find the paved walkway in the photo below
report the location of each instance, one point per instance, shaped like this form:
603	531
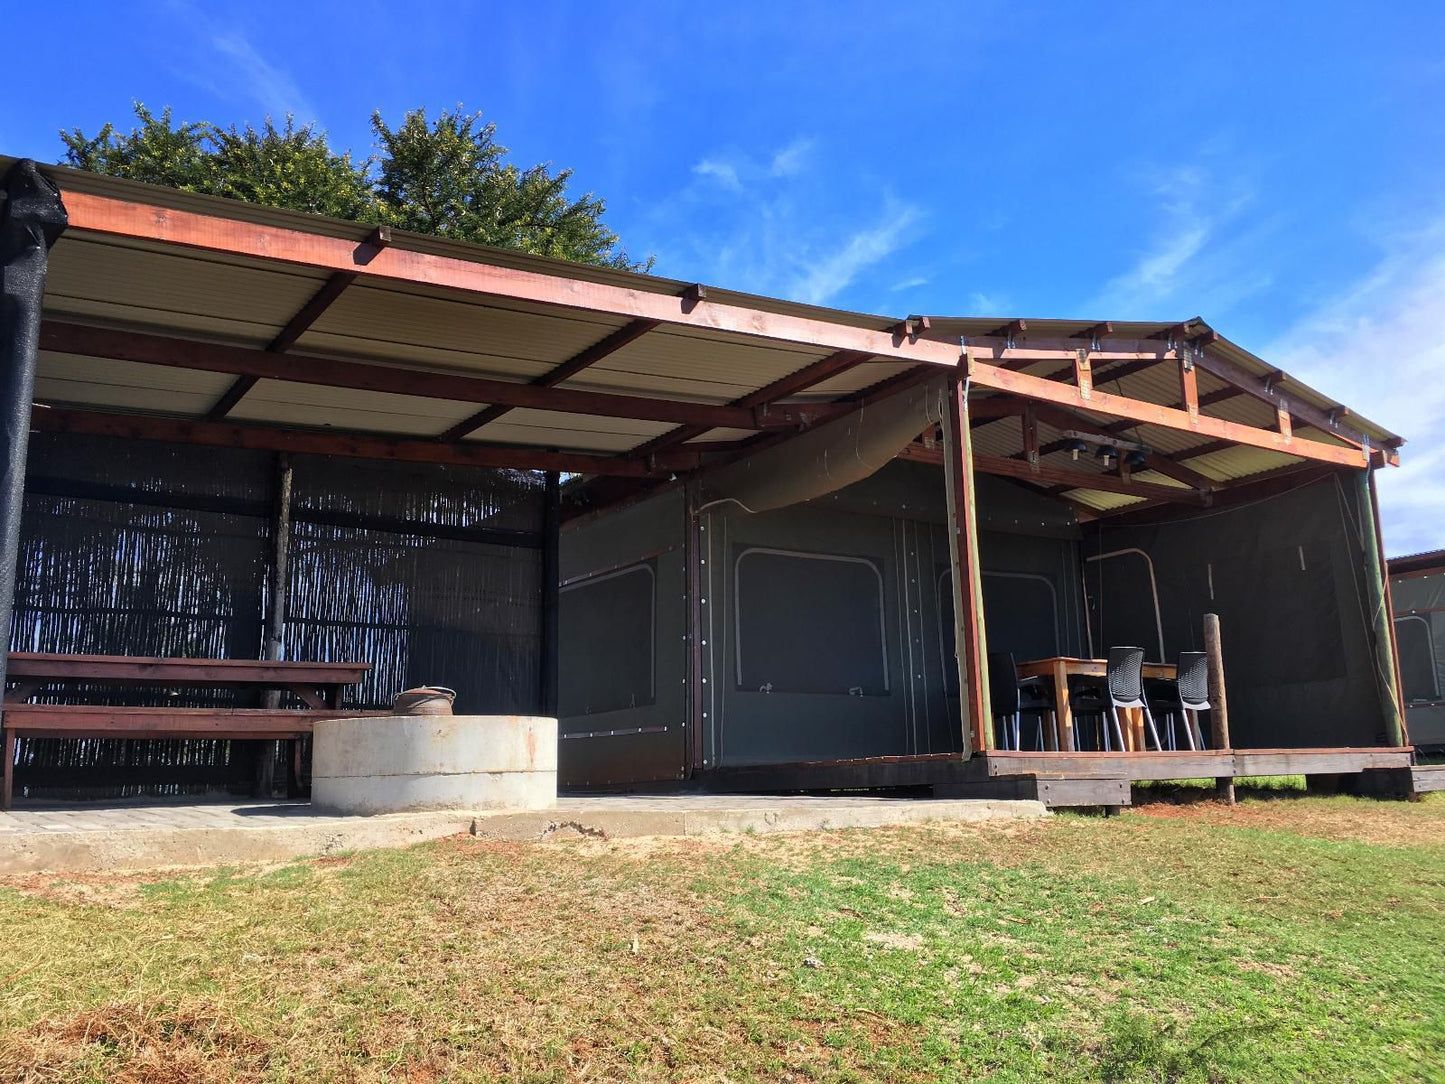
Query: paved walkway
86	837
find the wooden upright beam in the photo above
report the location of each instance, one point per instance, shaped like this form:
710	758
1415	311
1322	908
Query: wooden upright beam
331	372
1029	421
970	636
568	369
1189	387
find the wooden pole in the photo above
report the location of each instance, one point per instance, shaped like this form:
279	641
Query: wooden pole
970	636
274	639
1218	700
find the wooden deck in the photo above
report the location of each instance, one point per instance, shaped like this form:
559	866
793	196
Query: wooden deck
1077	779
1207	764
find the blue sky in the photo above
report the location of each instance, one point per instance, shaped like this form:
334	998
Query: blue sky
1274	168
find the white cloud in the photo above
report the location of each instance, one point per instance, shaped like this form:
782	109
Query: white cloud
725	173
1377	347
774	225
985	305
792	158
909	284
219	58
828	274
272	88
1195	258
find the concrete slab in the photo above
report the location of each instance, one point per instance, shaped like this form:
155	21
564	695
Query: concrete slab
133	837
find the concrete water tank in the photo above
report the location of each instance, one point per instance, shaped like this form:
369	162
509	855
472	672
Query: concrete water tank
400	763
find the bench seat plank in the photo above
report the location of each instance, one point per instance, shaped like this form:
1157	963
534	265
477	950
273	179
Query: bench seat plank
208	672
99	720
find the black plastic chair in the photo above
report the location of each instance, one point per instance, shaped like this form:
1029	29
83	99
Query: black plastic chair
1185	697
1011	698
1122	687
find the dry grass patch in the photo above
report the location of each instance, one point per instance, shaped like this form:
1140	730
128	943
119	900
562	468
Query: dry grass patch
1141	947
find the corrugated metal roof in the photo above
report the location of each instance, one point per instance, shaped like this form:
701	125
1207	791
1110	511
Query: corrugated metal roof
948	328
244	300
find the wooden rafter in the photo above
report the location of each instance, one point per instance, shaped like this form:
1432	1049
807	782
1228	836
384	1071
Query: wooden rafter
330	442
1062	477
806	377
299	324
568	369
331	372
992	376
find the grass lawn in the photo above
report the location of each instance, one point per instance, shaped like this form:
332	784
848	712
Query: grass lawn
1288	938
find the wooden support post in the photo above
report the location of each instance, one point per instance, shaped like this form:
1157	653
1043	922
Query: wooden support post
1377	595
551	591
970	636
272	648
1218	700
1030	421
1084	374
1189	385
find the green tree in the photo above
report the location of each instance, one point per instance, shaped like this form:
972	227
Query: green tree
450	178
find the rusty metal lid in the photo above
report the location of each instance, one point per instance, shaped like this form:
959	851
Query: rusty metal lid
426	700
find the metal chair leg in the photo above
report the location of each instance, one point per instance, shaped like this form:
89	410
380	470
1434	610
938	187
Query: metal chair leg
1149	718
1118	730
1018	738
1054	726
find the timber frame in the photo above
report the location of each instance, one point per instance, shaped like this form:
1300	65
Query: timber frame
1001	374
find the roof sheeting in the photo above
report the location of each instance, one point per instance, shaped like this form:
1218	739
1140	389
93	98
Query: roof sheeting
243	300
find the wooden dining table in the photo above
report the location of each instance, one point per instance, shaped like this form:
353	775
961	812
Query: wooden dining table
1061	668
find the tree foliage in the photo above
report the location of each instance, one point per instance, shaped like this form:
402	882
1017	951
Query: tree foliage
449	177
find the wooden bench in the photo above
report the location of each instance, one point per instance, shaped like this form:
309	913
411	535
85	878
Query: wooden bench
319	685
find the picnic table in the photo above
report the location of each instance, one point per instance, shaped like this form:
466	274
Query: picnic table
318	685
1061	668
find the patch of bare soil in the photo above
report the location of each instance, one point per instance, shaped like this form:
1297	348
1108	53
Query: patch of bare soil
80	889
190	1044
1362	820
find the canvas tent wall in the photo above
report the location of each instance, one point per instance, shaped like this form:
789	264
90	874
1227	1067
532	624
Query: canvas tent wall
1417	587
1290	578
827	626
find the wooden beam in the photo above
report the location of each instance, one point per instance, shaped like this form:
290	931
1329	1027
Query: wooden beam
1077	479
992	376
1242	491
331	372
568	369
1267	390
970	635
1172	468
299	324
806	377
995	350
1188	387
1029	422
1061	418
635	300
329	442
1084	374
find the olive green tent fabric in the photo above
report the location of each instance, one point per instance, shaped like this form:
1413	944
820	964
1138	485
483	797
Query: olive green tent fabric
1288	577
